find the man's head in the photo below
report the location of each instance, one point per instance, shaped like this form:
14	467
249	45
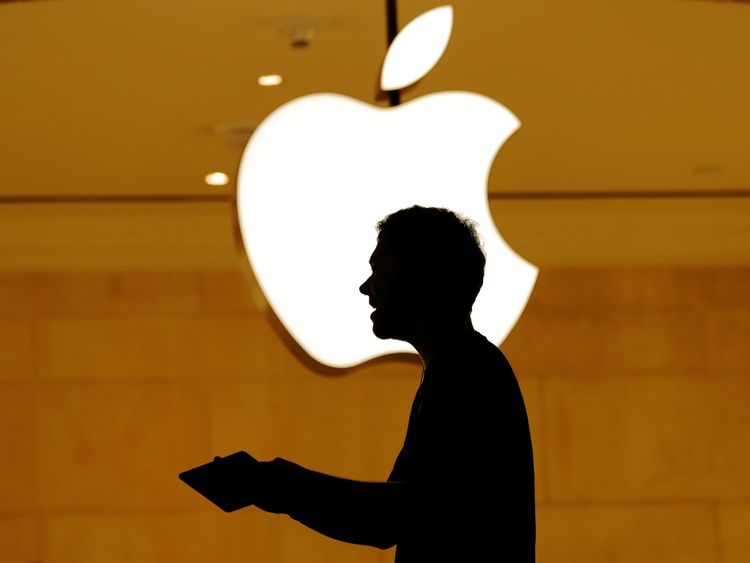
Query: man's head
428	265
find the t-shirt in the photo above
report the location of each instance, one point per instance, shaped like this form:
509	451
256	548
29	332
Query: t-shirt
462	487
468	453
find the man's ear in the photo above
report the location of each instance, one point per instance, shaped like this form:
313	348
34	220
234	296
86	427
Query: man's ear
422	277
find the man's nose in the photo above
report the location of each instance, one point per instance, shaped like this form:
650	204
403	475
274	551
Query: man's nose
363	287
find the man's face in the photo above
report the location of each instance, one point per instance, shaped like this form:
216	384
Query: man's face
391	291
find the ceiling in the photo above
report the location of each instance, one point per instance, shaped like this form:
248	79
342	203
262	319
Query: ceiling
116	109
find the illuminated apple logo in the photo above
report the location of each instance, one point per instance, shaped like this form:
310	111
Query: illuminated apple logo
321	170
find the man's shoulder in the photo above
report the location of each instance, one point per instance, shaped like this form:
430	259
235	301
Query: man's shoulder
473	370
475	354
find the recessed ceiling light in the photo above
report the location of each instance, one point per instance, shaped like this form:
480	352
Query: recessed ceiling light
269	80
217	179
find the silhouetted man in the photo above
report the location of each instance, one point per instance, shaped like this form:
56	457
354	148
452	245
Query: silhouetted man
462	487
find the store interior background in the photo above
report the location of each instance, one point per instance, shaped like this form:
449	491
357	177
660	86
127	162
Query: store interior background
134	343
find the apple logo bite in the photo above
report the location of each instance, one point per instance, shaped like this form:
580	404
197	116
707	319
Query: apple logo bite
321	170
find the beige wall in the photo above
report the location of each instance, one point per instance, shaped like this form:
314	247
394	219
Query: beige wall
637	384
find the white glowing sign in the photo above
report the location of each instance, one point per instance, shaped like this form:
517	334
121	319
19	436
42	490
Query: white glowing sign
321	170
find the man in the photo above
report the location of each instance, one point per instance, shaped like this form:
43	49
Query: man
462	487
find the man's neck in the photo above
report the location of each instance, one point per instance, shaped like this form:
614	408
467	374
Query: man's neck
438	336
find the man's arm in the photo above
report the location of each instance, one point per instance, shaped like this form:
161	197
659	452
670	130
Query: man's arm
360	512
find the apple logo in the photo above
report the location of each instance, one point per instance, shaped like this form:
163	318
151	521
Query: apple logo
321	170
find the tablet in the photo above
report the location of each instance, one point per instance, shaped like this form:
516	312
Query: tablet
224	481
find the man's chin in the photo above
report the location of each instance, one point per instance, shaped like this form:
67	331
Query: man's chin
383	328
377	330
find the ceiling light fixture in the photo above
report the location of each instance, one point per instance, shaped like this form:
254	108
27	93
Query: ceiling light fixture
217	179
270	80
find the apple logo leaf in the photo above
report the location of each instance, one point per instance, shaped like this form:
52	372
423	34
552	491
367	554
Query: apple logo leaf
417	48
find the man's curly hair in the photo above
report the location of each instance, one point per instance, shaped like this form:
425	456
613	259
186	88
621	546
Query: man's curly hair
443	242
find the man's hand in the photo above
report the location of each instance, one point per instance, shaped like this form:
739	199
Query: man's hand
276	485
236	476
269	485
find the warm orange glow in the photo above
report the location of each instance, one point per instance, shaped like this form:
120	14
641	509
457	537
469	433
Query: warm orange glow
113	383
